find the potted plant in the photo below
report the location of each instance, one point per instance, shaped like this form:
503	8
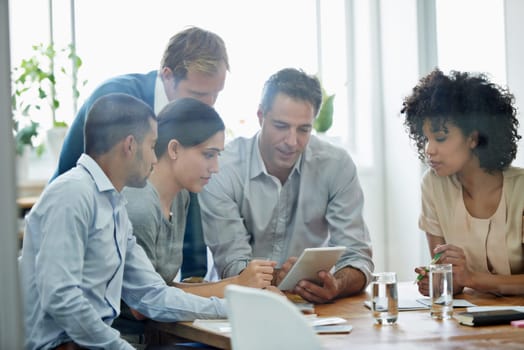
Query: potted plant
34	96
324	119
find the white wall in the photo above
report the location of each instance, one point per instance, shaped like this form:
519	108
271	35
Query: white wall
391	185
514	12
11	329
400	68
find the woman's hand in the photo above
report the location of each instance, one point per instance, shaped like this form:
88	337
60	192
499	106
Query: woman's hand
423	282
451	254
257	274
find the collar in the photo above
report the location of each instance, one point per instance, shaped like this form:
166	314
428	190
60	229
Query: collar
160	95
100	178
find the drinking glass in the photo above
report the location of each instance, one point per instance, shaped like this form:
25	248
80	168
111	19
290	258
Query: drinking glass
384	297
441	291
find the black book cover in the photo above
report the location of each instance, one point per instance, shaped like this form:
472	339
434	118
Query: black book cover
487	318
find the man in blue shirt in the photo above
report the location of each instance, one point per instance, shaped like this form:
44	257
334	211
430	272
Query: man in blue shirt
194	64
79	256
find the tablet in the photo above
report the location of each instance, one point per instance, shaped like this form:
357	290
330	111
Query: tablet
309	263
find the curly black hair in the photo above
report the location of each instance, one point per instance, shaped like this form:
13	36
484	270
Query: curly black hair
472	103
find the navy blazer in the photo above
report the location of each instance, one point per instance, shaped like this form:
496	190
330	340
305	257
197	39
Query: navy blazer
141	86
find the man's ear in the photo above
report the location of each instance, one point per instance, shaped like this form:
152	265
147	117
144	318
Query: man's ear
166	73
172	148
260	115
129	145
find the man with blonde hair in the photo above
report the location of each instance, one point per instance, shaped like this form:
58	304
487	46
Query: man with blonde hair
194	64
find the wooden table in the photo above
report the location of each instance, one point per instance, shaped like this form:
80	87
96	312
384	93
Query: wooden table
413	330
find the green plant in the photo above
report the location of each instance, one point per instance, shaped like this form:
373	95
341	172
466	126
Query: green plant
34	91
324	119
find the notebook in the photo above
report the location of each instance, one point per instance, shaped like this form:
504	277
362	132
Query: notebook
488	318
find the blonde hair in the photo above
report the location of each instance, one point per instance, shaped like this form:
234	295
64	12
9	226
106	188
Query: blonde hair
194	49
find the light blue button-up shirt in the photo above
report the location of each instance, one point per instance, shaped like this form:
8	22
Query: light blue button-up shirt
79	258
248	213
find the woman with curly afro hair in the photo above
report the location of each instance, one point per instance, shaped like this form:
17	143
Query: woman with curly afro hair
465	129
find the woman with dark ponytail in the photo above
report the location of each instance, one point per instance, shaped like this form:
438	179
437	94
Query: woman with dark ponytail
191	136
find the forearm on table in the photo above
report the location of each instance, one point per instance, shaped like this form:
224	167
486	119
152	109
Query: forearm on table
207	289
499	284
351	281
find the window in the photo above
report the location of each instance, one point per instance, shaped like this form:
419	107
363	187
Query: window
122	36
470	37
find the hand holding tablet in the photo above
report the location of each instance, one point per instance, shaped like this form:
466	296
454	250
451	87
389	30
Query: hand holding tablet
309	263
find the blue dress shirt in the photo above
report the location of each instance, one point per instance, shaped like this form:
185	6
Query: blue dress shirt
141	86
80	258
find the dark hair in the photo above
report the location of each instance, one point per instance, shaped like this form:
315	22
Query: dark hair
294	83
194	48
187	120
112	118
471	103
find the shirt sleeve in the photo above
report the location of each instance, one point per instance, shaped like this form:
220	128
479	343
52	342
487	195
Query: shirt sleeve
345	220
58	274
224	231
428	221
144	290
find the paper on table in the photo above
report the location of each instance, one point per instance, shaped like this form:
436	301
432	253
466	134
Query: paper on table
421	304
404	305
223	326
218	326
333	329
324	321
456	302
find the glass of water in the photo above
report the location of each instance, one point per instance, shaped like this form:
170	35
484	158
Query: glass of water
441	291
384	297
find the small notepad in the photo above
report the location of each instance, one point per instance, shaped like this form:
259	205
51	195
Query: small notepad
422	304
321	325
456	302
404	305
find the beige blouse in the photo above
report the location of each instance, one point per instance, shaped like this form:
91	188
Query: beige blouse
493	245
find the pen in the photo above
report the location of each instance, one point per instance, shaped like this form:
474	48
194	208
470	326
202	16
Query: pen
434	260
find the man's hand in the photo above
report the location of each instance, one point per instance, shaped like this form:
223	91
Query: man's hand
346	281
327	290
284	269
